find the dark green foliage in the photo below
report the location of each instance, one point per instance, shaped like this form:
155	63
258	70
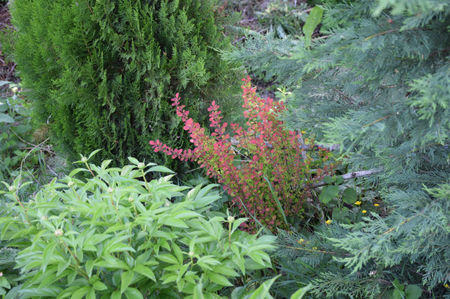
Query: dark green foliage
379	86
102	72
18	154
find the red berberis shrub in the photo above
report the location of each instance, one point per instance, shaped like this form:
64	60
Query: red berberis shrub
265	168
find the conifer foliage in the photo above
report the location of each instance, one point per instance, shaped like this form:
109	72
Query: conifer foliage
101	72
377	83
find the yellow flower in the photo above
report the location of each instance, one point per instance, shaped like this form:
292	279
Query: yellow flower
303	132
358	203
328	221
300	241
314	248
446	286
376	204
363	211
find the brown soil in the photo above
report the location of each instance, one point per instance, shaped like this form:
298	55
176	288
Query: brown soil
7	68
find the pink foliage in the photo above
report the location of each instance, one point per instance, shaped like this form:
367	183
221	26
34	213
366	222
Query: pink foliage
243	161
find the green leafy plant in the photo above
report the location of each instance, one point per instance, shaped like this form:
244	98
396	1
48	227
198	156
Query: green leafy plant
314	19
101	72
8	274
18	153
117	234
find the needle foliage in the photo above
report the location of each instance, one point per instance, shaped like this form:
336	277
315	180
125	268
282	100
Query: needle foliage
101	73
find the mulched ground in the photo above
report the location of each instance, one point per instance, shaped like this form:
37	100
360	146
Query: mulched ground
7	69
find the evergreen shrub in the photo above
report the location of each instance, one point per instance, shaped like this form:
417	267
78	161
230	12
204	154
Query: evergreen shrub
378	84
118	235
101	72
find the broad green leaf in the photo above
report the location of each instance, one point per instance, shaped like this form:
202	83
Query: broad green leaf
133	293
91	294
301	292
162	169
198	291
47	255
143	270
93	153
120	247
89	266
5	118
171	221
398	285
413	291
263	291
167	278
225	270
99	286
4	283
133	160
43	292
80	293
219	279
116	295
238	293
112	263
349	196
168	258
397	294
314	18
126	280
328	193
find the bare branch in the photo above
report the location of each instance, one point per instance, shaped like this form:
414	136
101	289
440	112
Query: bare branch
352	175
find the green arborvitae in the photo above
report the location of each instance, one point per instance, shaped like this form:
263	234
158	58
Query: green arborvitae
101	73
378	84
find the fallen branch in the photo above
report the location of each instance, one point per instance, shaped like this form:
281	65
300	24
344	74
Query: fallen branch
352	175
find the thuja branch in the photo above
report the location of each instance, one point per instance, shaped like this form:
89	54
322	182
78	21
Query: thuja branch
353	175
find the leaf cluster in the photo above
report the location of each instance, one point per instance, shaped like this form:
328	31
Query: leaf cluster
18	153
117	234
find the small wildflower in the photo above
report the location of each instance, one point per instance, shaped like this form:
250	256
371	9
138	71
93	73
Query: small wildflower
230	218
363	211
84	159
191	253
59	233
314	248
303	132
300	241
14	89
70	184
372	273
358	203
328	221
376	204
446	286
11	189
110	190
141	165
